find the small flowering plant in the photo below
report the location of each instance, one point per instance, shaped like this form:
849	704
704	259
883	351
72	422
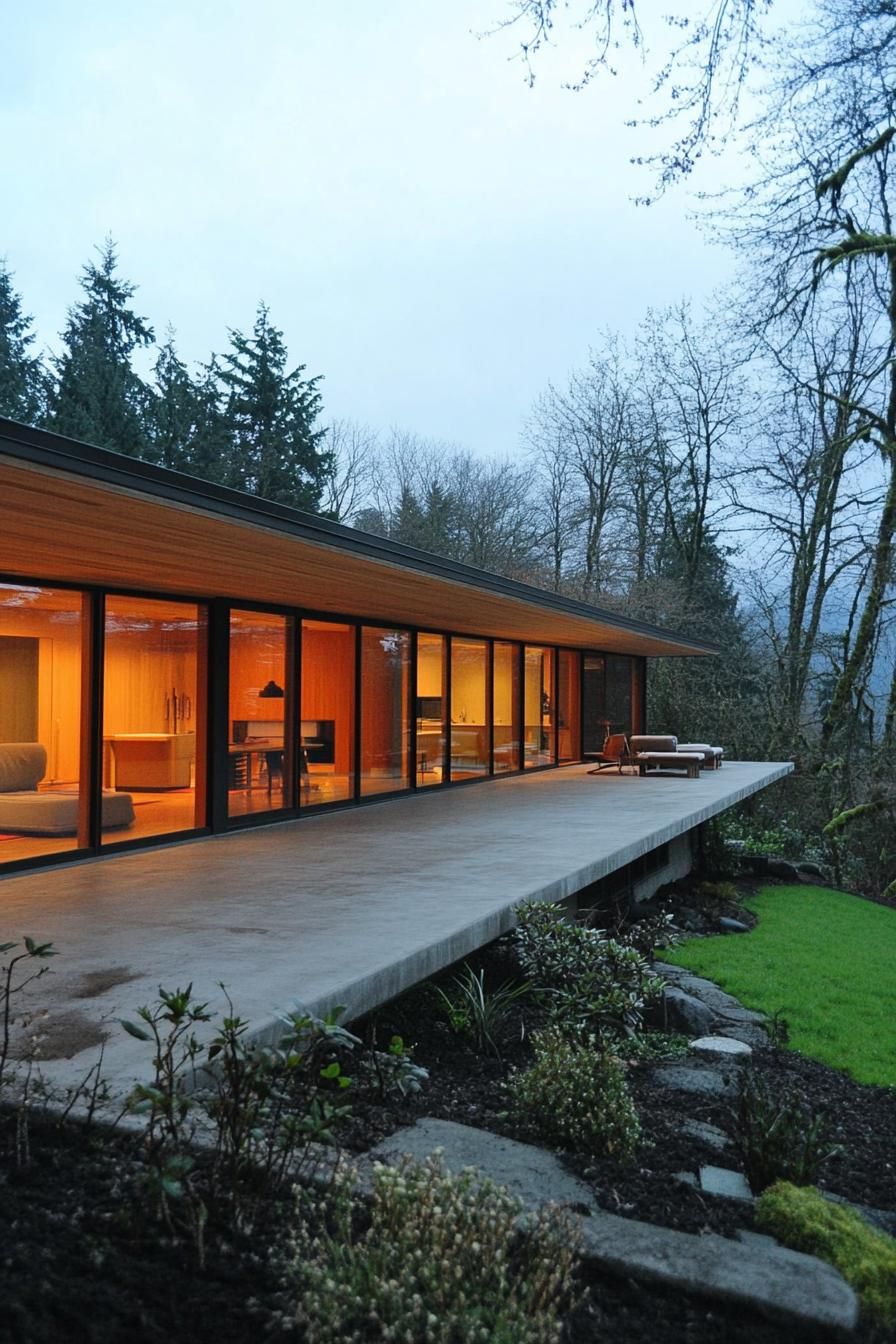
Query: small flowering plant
441	1258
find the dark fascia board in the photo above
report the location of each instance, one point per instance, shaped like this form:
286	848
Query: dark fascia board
43	448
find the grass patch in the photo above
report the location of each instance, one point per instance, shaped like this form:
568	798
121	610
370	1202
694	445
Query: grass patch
822	959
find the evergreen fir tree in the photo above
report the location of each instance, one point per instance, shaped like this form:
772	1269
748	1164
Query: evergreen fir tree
409	523
20	372
172	410
211	450
96	395
275	449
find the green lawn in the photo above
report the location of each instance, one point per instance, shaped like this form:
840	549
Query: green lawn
827	961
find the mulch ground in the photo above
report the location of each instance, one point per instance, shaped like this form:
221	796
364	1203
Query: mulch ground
84	1259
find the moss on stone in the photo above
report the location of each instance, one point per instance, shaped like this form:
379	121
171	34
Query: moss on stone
804	1220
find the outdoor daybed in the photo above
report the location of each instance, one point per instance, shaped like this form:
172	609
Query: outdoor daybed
25	811
655	752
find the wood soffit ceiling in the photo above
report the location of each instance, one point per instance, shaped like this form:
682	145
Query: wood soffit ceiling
58	524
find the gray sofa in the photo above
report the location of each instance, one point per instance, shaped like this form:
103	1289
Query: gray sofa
24	810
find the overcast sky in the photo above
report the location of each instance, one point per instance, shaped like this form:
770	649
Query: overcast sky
435	238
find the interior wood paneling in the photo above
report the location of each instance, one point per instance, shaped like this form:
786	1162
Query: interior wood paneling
328	684
65	527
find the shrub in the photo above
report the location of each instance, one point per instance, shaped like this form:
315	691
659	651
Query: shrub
779	1140
587	981
440	1259
475	1011
576	1096
804	1220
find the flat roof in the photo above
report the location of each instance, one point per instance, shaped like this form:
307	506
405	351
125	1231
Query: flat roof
348	908
80	514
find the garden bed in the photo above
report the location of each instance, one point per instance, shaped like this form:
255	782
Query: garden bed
85	1256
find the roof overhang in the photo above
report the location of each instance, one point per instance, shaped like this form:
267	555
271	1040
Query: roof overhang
78	514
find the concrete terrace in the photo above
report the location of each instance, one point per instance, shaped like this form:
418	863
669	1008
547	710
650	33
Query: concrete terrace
350	908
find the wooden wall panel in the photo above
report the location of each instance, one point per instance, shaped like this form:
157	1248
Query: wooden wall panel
328	685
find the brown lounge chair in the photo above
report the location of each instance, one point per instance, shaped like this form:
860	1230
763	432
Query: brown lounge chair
615	751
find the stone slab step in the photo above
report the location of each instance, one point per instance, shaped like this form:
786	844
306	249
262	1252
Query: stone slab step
769	1280
761	1277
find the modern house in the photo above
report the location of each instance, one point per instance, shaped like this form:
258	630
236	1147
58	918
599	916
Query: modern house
177	659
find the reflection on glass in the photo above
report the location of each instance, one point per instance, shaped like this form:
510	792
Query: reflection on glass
43	792
326	755
385	722
151	716
506	707
538	707
568	718
594	715
469	708
431	709
259	776
619	693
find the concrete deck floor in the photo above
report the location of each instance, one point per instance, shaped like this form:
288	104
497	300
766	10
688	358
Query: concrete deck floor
350	908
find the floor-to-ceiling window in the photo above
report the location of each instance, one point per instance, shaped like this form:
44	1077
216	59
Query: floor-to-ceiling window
327	749
595	724
431	709
568	712
43	786
385	711
153	717
506	707
619	693
259	753
469	708
538	722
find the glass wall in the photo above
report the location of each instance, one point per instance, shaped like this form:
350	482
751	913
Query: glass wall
619	693
595	724
538	711
431	709
259	774
469	708
506	707
153	718
327	749
480	706
568	715
43	792
385	720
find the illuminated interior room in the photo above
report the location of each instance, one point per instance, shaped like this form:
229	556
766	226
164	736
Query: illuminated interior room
178	660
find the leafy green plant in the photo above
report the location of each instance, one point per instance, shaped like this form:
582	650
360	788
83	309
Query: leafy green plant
805	1221
711	898
260	1108
440	1258
167	1102
475	1011
651	931
13	981
394	1069
586	981
778	1140
576	1096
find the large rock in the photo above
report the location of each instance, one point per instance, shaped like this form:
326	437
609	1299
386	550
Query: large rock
759	1275
768	865
685	1013
769	1280
532	1174
696	1079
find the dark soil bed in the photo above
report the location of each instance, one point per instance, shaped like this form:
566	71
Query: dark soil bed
83	1260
